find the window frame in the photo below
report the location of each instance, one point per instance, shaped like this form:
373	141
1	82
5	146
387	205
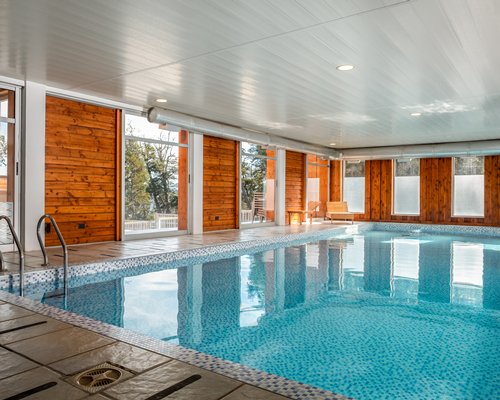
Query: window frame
452	194
393	205
242	154
317	164
124	137
344	163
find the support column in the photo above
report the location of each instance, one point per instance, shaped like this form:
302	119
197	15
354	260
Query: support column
196	179
280	187
33	163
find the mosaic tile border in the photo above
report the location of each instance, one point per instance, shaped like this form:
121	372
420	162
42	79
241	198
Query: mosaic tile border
469	230
172	259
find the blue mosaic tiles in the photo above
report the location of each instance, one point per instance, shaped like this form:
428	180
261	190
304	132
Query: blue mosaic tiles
354	295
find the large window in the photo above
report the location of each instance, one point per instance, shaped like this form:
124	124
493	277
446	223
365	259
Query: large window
354	185
407	186
468	186
258	172
317	185
156	177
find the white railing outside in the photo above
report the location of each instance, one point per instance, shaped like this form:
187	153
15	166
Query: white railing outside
246	216
161	221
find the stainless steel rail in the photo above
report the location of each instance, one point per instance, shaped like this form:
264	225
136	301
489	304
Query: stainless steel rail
19	250
63	244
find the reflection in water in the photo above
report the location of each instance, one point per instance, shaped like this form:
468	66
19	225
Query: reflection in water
267	310
225	295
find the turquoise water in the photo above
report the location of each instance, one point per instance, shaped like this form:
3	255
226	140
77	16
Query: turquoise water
373	316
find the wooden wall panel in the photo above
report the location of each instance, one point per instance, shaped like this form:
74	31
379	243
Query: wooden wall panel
335	180
492	190
295	194
81	170
435	192
220	184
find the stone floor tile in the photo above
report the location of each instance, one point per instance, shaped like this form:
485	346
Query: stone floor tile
9	311
122	354
37	377
50	325
247	392
12	363
55	346
210	387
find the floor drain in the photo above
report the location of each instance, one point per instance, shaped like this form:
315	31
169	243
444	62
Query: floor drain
99	377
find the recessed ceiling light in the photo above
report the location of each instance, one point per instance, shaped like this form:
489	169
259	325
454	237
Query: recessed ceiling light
345	67
416	114
161	100
333	144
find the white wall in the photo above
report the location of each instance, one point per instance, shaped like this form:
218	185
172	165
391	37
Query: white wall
196	178
280	187
33	162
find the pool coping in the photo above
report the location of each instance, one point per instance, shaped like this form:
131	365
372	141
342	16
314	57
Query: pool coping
274	383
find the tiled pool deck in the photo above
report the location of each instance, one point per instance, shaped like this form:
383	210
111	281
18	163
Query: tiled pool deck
55	344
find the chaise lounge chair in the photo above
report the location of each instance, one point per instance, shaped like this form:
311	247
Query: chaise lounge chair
338	210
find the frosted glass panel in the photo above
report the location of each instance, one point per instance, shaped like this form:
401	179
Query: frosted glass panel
354	194
468	195
407	195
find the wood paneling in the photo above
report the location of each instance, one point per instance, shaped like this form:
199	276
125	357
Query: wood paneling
336	180
492	190
220	184
81	170
295	182
435	192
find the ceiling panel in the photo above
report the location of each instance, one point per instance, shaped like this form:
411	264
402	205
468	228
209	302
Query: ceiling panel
271	65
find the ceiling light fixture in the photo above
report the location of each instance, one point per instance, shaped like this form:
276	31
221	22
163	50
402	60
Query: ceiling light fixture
333	144
161	100
416	114
345	67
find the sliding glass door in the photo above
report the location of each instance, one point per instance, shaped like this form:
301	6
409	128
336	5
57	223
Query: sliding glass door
9	107
156	178
258	177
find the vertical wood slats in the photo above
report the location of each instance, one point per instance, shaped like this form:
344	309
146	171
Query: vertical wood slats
335	180
435	192
220	184
81	171
295	181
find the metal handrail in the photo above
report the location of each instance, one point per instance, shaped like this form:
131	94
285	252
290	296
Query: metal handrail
63	244
19	250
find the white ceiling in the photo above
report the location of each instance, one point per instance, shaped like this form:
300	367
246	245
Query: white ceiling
270	65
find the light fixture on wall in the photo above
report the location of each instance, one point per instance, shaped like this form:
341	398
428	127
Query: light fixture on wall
161	100
333	144
416	114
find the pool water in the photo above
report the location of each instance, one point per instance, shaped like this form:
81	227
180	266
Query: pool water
377	315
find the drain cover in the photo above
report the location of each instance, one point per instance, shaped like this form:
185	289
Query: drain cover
99	377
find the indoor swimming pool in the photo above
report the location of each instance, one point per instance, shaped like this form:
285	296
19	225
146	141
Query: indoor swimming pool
373	315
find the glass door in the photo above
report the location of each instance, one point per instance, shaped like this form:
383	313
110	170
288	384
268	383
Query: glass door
8	163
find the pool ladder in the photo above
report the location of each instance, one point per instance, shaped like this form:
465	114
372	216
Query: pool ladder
42	247
63	244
